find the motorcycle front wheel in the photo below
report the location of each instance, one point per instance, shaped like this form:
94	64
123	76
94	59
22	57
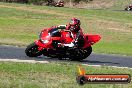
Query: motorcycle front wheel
32	50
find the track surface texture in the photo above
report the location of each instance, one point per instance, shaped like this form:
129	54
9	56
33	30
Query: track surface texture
12	52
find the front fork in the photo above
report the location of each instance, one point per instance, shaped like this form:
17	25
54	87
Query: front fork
42	46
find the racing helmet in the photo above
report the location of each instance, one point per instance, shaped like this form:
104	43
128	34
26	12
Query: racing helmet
74	25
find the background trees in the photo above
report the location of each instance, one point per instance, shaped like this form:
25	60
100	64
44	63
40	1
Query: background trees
36	1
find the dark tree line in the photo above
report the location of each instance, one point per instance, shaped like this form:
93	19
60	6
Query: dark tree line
17	1
37	1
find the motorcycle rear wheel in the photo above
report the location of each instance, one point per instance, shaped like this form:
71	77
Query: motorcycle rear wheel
32	50
81	54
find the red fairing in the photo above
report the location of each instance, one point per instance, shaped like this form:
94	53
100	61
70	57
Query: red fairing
65	37
47	36
44	35
91	39
42	45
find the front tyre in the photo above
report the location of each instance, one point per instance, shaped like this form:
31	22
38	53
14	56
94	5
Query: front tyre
32	50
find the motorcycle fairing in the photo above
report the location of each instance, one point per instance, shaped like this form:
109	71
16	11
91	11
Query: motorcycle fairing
90	39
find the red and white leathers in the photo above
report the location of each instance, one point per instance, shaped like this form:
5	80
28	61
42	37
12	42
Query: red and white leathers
75	35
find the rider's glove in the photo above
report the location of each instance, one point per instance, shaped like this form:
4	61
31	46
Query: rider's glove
61	27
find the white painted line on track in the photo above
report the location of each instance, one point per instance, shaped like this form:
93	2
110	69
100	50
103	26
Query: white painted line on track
107	66
34	61
27	61
92	65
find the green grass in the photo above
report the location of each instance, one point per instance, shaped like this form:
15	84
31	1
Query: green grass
54	74
20	25
113	48
107	14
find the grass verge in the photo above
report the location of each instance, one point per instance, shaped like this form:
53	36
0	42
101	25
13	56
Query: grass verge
54	74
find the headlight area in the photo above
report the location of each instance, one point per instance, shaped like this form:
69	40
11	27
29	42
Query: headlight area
45	41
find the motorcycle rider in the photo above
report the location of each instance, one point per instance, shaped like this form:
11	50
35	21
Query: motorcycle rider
60	1
77	34
130	6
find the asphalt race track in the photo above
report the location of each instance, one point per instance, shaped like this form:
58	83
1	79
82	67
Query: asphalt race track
12	52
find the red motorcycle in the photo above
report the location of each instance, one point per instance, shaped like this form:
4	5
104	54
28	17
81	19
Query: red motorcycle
56	4
59	4
128	8
51	42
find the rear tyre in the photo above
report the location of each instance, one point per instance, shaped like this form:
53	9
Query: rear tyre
80	54
32	50
86	52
